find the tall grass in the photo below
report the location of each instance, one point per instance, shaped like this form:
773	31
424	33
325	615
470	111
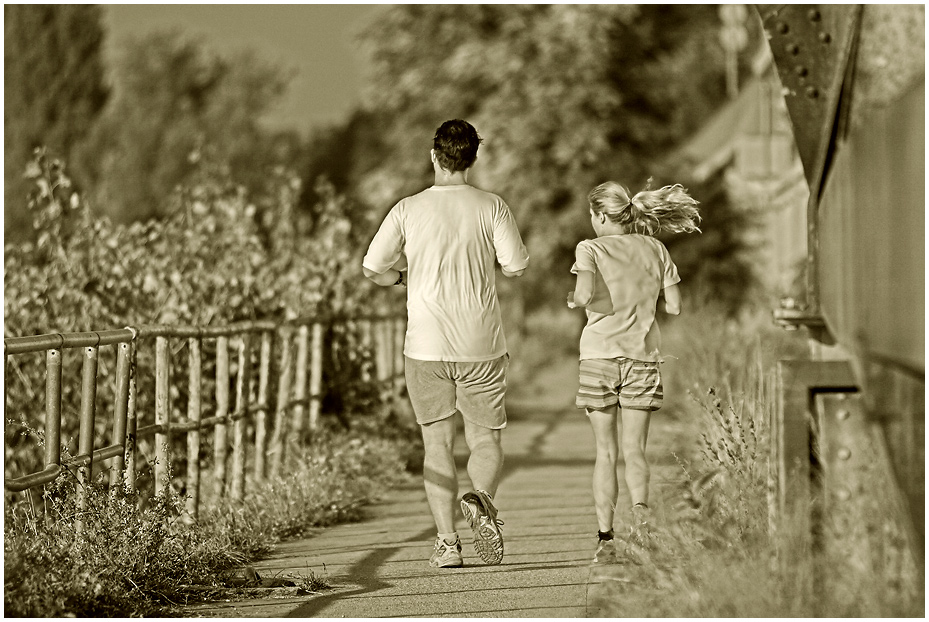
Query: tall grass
714	549
139	557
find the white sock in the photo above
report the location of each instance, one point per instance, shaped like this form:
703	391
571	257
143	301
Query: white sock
449	537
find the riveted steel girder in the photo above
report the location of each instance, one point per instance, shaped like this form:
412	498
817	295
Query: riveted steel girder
812	46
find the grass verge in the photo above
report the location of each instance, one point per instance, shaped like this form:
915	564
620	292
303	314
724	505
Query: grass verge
137	558
713	549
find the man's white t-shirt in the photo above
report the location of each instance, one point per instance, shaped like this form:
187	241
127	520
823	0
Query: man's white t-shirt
629	273
452	237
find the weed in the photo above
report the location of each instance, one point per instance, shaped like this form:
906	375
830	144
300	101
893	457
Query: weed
134	559
714	548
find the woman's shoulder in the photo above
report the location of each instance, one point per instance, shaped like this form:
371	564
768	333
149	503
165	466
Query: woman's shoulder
646	241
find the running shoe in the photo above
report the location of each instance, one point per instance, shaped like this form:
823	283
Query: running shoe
446	554
481	515
606	552
641	514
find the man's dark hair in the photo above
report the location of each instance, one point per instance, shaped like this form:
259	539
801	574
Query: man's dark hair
455	145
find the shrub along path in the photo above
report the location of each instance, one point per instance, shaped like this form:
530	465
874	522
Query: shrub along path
379	567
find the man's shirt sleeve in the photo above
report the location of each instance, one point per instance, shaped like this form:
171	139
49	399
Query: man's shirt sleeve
387	246
511	252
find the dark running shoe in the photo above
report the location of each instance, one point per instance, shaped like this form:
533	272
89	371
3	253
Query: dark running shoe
481	515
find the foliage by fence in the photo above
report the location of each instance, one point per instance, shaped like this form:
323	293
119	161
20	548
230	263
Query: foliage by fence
221	257
261	424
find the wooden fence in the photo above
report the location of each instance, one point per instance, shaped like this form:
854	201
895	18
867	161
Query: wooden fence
249	354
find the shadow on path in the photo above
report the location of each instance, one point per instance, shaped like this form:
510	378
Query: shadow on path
364	573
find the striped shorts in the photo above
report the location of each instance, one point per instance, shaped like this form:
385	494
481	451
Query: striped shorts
627	382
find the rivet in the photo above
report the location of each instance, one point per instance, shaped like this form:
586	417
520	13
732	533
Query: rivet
792	48
842	415
825	37
814	15
812	92
801	71
845	453
783	28
843	494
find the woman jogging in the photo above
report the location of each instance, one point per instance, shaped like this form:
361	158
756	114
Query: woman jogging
621	274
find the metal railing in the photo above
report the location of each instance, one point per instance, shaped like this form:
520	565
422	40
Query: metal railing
299	346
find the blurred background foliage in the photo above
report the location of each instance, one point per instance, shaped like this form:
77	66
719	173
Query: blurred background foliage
566	96
152	192
53	91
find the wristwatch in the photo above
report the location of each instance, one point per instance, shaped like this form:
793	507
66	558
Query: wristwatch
400	280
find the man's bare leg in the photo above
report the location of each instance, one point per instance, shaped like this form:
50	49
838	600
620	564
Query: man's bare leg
485	464
439	473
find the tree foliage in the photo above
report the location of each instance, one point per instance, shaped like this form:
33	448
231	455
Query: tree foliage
171	96
566	96
209	262
53	90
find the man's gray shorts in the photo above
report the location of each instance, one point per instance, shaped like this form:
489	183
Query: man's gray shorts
476	389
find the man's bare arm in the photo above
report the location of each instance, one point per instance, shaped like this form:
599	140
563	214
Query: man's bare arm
384	279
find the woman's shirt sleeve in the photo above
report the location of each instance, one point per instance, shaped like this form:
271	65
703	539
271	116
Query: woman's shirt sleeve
584	258
669	270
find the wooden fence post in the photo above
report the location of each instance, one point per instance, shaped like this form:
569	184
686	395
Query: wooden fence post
283	401
86	438
316	376
131	422
220	440
261	416
162	415
193	436
243	379
120	411
53	407
383	354
364	328
399	337
303	337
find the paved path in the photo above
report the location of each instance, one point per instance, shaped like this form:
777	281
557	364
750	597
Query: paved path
379	567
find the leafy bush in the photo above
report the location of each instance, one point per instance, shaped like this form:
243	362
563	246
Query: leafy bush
221	256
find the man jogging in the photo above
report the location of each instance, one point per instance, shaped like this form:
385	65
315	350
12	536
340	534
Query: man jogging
449	238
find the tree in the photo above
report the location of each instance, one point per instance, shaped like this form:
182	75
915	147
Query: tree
171	97
53	90
567	96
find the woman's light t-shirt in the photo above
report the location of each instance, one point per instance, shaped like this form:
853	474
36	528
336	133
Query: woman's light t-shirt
629	273
451	236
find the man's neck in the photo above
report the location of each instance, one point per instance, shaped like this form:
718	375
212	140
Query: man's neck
458	178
